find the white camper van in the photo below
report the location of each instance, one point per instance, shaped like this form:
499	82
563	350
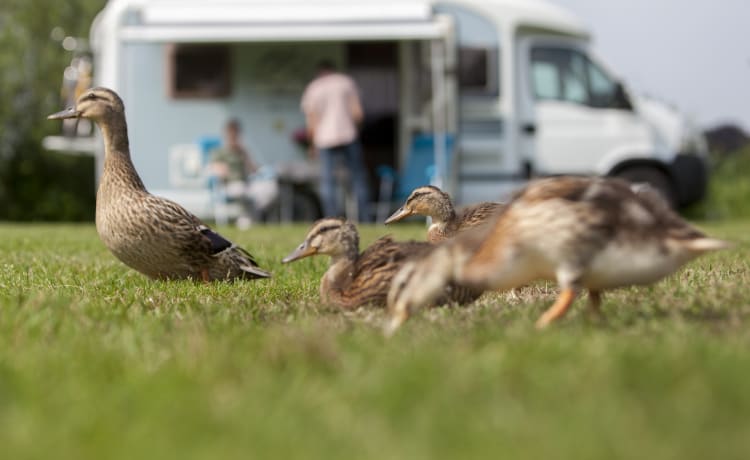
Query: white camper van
496	91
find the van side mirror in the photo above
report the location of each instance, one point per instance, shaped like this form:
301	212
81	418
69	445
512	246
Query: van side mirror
621	99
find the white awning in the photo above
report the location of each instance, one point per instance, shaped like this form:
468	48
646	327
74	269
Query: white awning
280	11
284	33
259	21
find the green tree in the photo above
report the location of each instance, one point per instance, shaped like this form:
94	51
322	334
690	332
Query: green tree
35	184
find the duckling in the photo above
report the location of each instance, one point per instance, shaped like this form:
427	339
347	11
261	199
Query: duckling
152	235
446	223
353	279
584	233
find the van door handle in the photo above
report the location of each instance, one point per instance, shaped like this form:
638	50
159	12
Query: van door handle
529	128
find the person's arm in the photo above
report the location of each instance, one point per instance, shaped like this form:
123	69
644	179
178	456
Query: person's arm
311	122
219	169
355	106
217	165
251	166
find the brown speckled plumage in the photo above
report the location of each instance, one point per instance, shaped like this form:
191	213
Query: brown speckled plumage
446	222
584	233
152	235
355	279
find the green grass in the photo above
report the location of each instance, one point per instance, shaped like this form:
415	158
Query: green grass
98	362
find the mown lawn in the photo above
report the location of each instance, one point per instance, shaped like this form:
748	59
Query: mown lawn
98	362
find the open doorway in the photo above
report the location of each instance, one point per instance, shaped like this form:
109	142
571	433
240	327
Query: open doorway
374	66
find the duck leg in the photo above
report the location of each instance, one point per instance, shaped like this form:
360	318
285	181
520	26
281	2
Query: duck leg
395	320
205	276
561	305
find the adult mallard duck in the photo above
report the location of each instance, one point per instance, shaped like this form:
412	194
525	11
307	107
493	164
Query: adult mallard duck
355	279
446	222
584	233
152	235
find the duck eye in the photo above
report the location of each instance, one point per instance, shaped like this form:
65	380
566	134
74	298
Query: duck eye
90	97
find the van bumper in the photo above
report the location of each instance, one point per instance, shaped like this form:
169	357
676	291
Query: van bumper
690	175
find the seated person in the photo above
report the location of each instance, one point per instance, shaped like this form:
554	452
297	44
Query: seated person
232	165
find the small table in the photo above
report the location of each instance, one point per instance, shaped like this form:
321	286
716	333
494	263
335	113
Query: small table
293	174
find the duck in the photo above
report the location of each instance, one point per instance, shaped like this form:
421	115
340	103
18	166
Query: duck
355	279
446	223
584	233
152	235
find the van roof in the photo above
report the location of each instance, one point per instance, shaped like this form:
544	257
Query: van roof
297	20
536	14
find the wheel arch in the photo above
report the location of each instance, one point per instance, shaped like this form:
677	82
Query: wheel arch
663	180
641	162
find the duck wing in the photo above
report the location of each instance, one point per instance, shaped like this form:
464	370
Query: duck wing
669	221
478	214
233	254
375	268
611	209
198	243
385	254
218	242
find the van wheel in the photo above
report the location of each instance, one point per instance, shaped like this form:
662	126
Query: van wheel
654	178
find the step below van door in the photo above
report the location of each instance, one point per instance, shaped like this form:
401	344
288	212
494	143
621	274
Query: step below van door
487	170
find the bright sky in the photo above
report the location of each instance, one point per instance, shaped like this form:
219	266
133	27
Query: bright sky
694	54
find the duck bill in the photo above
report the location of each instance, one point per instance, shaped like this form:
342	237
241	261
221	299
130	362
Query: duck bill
304	250
398	215
70	112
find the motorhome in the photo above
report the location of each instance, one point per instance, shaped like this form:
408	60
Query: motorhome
497	91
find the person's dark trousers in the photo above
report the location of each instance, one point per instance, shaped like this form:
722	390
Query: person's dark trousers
351	155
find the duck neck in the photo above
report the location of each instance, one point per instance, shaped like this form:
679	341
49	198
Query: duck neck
341	270
117	163
444	214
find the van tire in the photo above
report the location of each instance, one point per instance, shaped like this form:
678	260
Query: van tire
654	177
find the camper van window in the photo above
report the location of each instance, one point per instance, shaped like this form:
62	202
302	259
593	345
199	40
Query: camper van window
199	71
603	88
568	75
546	81
478	51
574	80
475	71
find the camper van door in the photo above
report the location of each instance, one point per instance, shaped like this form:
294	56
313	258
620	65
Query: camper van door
578	111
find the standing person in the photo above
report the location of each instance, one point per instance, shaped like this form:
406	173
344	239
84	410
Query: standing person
231	163
333	112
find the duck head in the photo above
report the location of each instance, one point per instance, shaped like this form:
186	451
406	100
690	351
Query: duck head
424	201
330	236
95	104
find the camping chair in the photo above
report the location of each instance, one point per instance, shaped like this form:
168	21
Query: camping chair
419	171
222	207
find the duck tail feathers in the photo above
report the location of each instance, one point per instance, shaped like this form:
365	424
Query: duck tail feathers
253	272
246	263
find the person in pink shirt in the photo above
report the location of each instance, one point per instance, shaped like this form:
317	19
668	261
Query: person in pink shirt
333	112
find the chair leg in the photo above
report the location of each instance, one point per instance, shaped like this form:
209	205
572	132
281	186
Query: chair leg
220	208
384	200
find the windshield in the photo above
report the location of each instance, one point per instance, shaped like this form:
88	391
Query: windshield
569	75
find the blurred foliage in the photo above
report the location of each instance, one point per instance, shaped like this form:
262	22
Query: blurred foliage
728	190
35	184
